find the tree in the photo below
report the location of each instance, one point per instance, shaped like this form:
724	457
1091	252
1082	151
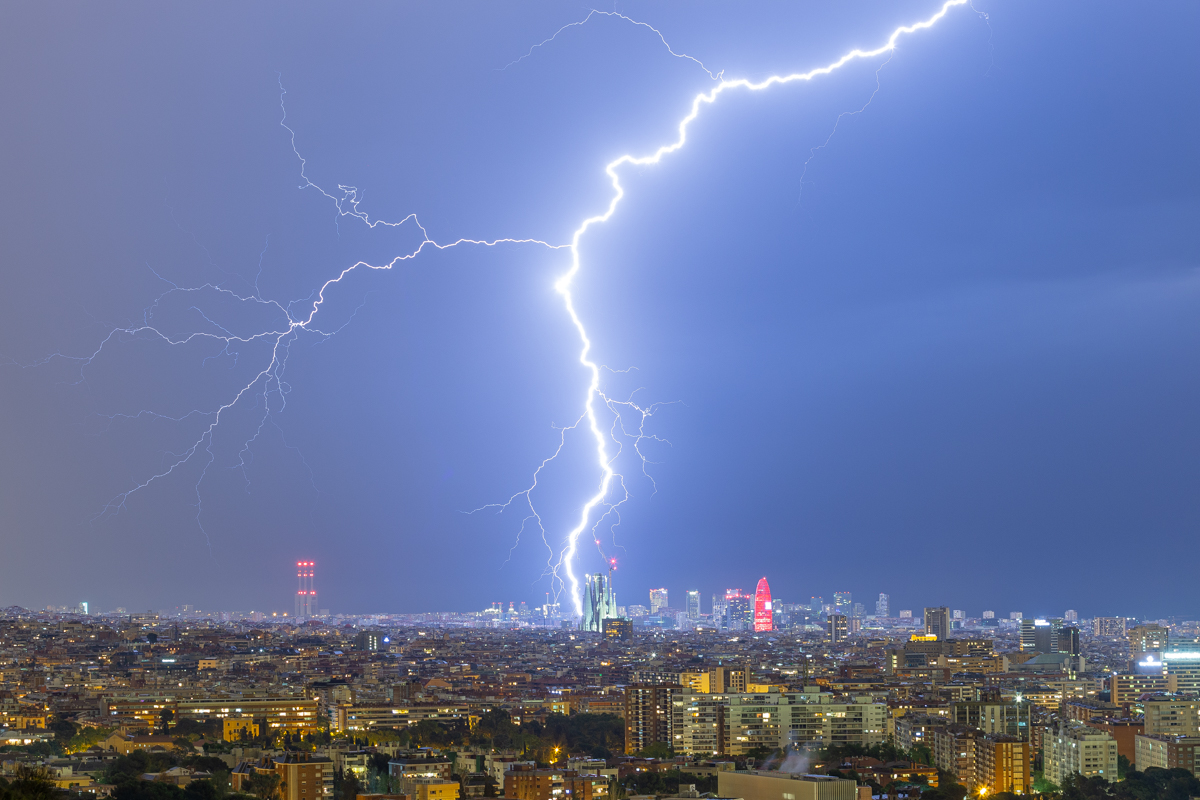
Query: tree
152	637
29	783
265	785
656	750
164	720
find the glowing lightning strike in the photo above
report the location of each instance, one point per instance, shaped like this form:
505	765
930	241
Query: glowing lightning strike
267	384
563	285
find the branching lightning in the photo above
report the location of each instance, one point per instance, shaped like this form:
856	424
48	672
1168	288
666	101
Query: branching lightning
267	389
563	285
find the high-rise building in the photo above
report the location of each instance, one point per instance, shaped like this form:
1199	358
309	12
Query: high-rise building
1109	627
881	605
1016	615
306	595
658	601
816	606
989	615
1071	615
1182	661
739	610
720	612
1040	635
693	604
599	602
369	641
837	628
763	618
905	613
734	723
1147	638
1071	747
937	622
617	629
842	603
1068	641
957	614
647	715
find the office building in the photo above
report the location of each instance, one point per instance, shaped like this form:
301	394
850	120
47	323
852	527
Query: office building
842	603
370	641
837	628
1125	689
937	622
1070	615
1109	627
1072	747
1017	615
1068	641
1040	635
739	610
1147	639
599	602
906	614
881	605
693	604
1184	666
989	615
764	620
618	629
816	605
658	601
720	613
647	715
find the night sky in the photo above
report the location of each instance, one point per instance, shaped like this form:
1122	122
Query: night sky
951	355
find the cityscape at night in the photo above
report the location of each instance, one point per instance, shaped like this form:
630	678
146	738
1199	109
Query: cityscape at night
671	401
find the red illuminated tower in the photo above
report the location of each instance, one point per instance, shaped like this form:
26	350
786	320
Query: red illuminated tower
306	595
762	607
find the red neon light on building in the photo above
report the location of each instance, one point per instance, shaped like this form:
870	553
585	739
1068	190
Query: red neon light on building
763	620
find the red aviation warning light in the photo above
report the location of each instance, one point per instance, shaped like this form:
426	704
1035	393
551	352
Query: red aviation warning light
763	619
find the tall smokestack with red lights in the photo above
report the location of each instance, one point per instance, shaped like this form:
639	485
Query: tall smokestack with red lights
306	595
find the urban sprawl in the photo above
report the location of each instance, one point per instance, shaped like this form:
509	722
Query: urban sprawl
755	699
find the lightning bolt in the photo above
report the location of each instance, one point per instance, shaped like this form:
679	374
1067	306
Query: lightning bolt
563	284
267	389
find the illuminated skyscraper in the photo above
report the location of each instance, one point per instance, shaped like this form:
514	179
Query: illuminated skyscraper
881	605
693	604
658	601
306	595
937	622
739	610
762	607
842	603
837	628
599	602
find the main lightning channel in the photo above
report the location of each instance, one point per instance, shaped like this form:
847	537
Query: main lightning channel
563	284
